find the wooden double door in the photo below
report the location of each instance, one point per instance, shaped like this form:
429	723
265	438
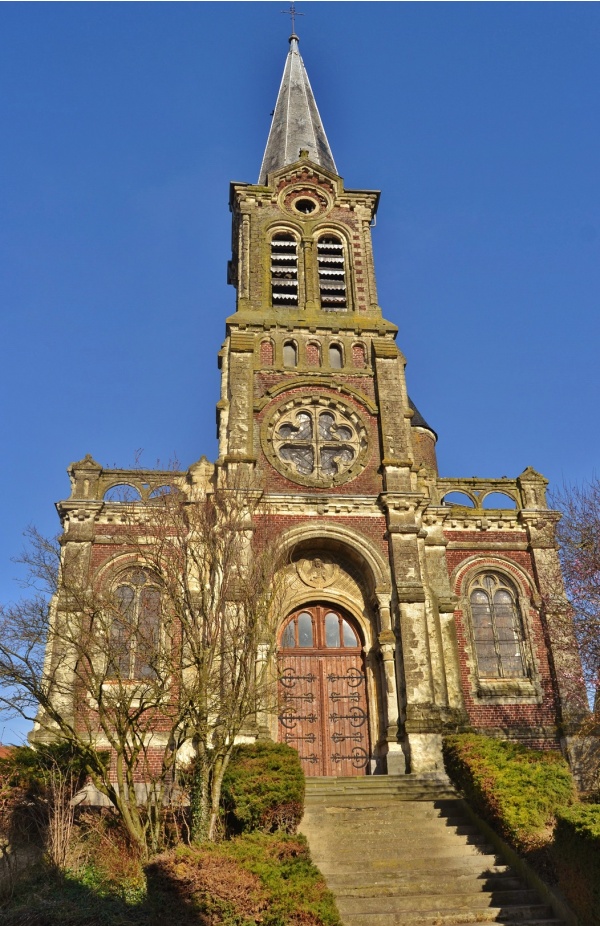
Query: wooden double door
323	710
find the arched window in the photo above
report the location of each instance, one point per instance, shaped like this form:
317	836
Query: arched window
135	629
336	358
319	628
497	627
332	273
284	270
290	354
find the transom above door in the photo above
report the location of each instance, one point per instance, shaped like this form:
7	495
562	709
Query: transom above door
323	711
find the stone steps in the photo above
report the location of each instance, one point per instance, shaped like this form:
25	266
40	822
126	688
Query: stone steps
400	852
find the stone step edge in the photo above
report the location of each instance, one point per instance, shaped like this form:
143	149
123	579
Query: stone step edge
523	870
391	919
437	917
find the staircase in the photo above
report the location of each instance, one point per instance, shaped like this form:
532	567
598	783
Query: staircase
398	851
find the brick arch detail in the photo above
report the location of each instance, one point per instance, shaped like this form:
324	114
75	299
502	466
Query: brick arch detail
465	571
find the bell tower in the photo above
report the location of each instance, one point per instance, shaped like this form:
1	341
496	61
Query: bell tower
314	401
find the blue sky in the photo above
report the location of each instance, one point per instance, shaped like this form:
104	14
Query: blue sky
123	124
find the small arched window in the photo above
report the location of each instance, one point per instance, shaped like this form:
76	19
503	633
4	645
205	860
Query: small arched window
497	627
290	354
284	270
135	629
336	358
332	273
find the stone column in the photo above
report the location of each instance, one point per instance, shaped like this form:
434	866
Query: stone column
307	278
396	761
240	417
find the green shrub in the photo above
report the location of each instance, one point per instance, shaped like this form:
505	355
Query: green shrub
255	878
576	854
518	790
263	788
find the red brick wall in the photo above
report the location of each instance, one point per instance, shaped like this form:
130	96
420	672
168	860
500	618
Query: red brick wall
266	353
313	354
359	357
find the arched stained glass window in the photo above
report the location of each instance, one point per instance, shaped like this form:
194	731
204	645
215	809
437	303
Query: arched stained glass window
135	629
497	627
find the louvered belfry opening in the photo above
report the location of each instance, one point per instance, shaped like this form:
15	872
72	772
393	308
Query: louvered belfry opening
332	273
284	269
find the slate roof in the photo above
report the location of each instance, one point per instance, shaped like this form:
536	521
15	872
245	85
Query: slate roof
417	420
296	121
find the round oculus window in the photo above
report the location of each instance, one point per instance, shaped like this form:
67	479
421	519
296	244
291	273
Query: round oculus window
316	441
306	206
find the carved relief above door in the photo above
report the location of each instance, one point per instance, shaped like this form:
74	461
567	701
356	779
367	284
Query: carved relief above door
323	711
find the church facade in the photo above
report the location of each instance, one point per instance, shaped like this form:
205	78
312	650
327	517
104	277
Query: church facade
416	604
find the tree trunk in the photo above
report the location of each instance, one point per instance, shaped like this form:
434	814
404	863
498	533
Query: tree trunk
200	799
215	793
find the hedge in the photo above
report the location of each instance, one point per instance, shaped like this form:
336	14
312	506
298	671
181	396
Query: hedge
576	855
263	789
518	790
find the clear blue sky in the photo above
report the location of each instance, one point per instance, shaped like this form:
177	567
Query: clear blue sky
122	125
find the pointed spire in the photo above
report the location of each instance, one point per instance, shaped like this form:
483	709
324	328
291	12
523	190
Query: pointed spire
296	122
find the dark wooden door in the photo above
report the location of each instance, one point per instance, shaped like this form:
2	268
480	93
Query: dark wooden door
322	692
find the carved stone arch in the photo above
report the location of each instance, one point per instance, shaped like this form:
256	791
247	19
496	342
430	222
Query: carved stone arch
340	587
334	228
350	544
284	226
313	382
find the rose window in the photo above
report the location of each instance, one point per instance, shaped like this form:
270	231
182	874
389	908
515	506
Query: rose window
317	441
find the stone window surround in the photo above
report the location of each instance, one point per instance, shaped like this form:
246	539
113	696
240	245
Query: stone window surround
112	573
283	409
526	690
309	240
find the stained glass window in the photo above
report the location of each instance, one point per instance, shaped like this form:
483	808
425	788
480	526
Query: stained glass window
497	627
135	630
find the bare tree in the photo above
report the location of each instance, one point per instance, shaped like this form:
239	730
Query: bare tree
579	538
176	653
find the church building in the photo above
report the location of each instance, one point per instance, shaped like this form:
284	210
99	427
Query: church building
417	604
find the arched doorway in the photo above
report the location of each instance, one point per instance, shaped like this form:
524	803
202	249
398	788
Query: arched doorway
323	711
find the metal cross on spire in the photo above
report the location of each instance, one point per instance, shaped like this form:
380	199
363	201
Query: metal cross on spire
292	12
